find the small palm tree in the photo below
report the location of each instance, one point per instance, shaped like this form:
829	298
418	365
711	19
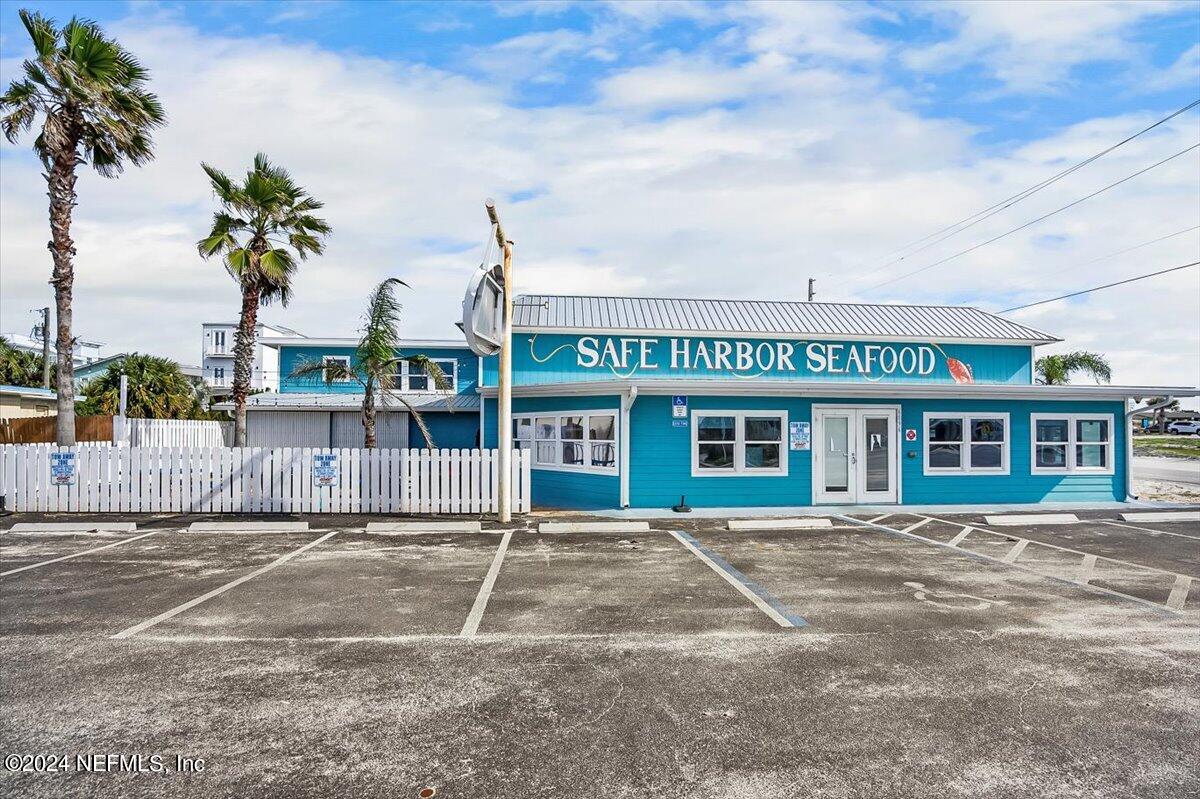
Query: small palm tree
375	361
19	367
157	390
263	220
1056	370
90	94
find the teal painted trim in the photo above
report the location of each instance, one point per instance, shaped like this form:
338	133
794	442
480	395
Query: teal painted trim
553	358
291	356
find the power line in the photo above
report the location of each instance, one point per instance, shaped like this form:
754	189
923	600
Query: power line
1008	202
1098	288
1121	252
1031	222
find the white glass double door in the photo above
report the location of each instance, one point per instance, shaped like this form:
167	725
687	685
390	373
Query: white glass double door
855	452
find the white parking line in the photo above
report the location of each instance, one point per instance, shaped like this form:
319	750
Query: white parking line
966	531
79	554
485	591
1087	569
912	527
1179	592
137	628
752	591
1148	530
1017	549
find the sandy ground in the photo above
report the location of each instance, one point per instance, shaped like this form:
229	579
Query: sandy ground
1165	491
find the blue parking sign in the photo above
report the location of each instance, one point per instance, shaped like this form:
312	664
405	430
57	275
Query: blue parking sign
679	406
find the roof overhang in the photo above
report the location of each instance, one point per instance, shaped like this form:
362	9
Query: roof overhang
410	343
654	333
778	388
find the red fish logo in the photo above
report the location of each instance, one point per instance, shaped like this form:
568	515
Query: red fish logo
960	371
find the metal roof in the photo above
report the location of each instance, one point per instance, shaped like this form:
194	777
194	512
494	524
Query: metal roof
769	318
425	402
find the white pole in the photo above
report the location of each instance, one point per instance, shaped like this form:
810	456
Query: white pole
504	400
124	393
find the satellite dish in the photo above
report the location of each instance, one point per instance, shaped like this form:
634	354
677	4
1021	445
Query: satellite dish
483	311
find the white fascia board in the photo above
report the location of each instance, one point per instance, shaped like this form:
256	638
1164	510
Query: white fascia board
847	389
654	332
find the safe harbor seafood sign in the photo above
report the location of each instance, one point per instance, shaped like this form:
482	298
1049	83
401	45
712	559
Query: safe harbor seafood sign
598	357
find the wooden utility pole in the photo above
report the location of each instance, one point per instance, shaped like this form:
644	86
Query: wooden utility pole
45	312
812	288
504	415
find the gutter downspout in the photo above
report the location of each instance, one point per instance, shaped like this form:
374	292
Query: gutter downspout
627	401
1129	441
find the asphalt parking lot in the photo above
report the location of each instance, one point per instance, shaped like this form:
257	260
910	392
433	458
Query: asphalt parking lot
884	656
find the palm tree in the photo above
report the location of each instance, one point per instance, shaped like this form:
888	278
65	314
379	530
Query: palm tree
89	91
375	361
262	222
19	367
1160	415
157	390
1056	370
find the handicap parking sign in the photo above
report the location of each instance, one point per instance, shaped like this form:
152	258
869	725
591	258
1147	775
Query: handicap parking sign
678	407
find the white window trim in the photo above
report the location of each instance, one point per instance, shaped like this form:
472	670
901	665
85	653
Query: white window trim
739	444
587	440
965	467
326	359
452	374
1072	440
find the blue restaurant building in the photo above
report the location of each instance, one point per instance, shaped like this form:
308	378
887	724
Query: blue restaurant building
637	402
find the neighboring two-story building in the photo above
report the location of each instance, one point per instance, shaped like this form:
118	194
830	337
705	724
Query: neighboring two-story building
635	402
216	349
310	412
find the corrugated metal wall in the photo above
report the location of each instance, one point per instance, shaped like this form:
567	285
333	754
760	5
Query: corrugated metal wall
323	429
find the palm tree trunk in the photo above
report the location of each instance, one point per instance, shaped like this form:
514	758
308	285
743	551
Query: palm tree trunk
243	359
61	182
368	416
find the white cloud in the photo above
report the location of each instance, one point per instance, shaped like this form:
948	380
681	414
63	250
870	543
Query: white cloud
811	171
1033	45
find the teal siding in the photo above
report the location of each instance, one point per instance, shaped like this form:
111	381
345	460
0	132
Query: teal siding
290	357
562	489
661	458
458	430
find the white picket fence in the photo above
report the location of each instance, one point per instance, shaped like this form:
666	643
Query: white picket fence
117	479
171	433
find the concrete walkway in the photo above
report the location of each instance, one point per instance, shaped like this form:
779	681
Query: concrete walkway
826	510
1176	470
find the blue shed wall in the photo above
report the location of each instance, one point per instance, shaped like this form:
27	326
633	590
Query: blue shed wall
458	430
290	357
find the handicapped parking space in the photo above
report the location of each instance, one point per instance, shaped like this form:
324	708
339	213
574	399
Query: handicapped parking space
351	585
100	591
601	584
867	580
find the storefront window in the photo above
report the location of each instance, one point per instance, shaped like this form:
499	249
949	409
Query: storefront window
738	443
1072	442
576	441
966	443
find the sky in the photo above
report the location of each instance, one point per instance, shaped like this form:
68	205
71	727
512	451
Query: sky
657	149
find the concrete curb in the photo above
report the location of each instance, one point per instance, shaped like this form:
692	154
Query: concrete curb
779	524
74	527
424	527
594	527
1015	520
1162	516
248	527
